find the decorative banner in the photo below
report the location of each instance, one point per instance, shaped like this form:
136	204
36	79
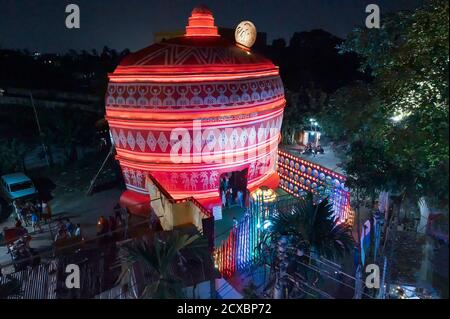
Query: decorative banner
217	212
365	240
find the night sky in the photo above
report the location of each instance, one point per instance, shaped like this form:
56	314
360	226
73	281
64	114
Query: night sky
39	25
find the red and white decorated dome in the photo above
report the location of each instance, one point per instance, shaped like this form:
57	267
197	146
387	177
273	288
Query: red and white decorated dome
192	108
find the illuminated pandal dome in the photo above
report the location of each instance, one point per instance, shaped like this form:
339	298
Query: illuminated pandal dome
192	108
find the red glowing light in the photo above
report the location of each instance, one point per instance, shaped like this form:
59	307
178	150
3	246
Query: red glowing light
237	98
201	23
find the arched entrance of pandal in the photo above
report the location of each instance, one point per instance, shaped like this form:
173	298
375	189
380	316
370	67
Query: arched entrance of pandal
233	188
234	197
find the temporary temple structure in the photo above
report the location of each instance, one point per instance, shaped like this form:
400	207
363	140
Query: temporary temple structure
189	109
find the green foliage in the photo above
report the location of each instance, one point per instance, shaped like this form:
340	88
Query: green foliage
309	229
300	106
162	253
369	168
12	152
312	227
68	129
321	231
401	117
352	114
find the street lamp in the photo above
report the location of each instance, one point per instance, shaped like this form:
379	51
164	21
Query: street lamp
315	133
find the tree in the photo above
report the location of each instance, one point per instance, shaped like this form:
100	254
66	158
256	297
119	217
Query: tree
307	231
162	253
68	129
300	105
349	114
408	60
12	153
321	230
396	125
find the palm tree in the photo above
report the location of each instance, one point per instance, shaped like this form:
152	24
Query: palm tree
162	253
322	233
308	229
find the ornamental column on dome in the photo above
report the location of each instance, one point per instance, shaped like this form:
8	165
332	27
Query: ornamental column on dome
201	23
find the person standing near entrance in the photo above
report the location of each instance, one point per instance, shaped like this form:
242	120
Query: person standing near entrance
224	200
23	216
229	196
77	232
16	206
247	199
240	198
227	182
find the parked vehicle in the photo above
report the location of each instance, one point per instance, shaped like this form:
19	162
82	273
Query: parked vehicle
17	186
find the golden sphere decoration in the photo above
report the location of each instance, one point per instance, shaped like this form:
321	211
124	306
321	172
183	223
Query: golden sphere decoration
245	34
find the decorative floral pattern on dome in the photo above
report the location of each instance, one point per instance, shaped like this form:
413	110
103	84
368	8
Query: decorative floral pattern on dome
151	141
205	95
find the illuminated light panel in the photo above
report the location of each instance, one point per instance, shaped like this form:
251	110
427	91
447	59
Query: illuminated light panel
186	72
325	187
192	77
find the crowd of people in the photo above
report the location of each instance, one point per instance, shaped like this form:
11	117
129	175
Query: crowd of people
18	239
31	213
313	149
112	223
66	230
